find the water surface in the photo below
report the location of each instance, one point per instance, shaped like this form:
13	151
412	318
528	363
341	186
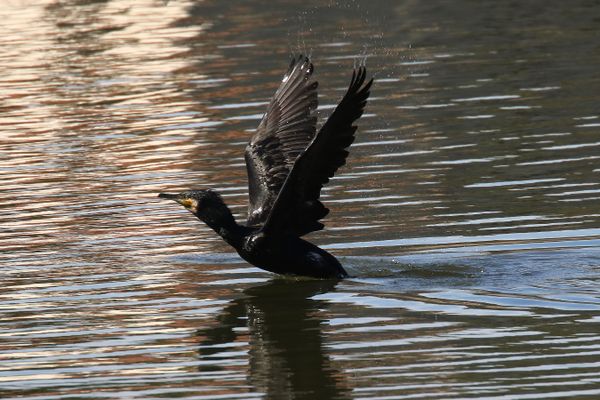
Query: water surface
467	213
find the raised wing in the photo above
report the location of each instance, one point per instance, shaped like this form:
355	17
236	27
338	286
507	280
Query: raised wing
286	129
297	209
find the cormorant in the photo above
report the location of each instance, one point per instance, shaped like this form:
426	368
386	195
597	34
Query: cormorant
288	163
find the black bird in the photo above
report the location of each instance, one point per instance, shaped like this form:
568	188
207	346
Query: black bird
288	163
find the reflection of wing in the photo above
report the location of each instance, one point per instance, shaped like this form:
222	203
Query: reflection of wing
285	131
297	209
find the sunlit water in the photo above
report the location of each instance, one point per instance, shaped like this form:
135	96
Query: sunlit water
468	213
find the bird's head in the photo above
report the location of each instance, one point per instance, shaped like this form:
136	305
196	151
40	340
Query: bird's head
205	204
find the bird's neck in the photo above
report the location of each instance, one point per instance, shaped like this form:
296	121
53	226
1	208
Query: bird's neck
226	227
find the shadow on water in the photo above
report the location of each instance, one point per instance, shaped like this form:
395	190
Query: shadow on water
287	358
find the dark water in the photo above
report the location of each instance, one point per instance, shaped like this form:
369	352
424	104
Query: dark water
468	211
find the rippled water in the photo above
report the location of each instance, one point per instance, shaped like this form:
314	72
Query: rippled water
467	213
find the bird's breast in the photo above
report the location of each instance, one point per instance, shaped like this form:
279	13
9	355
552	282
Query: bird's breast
253	243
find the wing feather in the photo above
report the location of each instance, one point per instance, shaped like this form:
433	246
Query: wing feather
297	209
286	129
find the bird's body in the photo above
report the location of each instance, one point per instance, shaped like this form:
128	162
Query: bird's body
288	162
290	255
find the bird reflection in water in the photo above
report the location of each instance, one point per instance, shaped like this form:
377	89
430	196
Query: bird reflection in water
287	359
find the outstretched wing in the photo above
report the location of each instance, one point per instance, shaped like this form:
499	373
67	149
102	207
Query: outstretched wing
297	209
286	129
